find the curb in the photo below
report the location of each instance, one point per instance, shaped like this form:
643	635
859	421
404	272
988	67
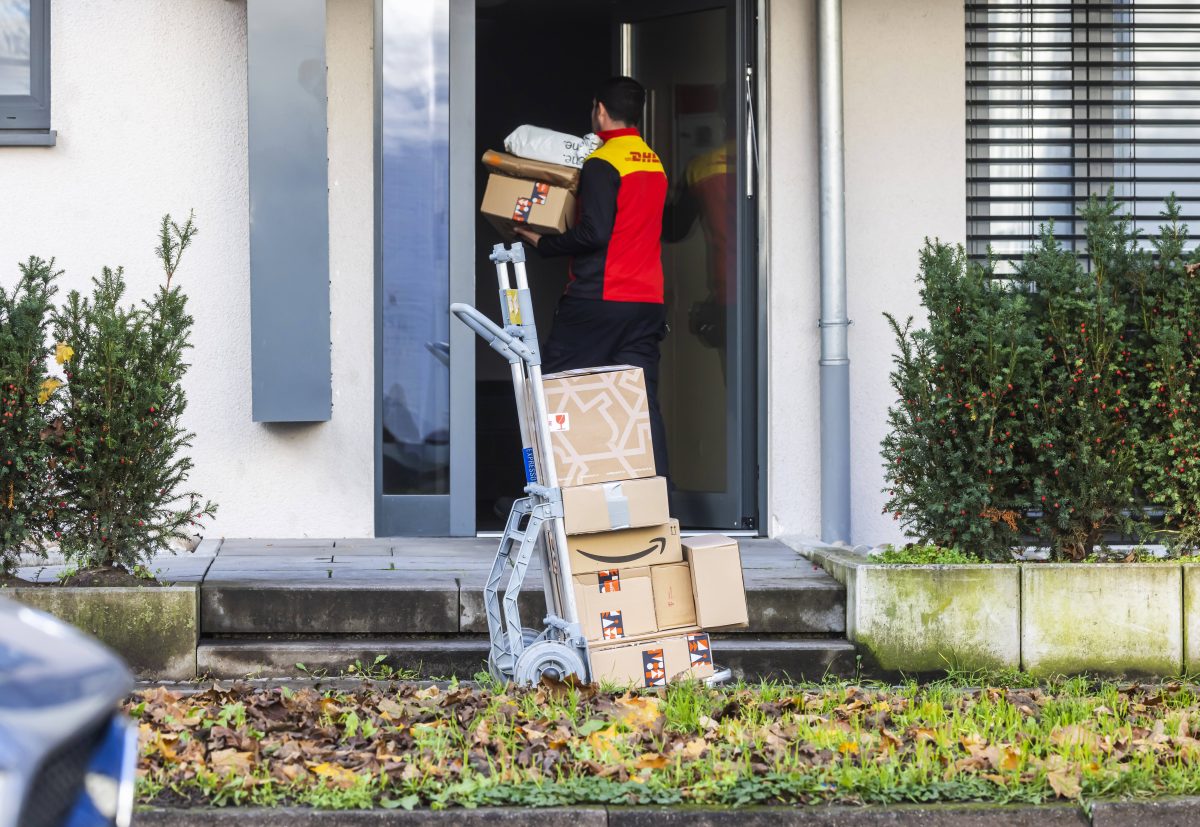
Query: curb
1172	812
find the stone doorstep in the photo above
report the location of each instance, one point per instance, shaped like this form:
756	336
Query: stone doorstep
810	659
1148	814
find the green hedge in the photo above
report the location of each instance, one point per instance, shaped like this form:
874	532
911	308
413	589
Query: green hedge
1058	404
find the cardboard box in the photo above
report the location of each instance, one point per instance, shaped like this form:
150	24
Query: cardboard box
612	506
717	581
537	205
556	175
674	605
654	662
599	425
648	546
615	604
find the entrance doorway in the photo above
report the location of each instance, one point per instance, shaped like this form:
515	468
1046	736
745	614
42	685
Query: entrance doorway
537	62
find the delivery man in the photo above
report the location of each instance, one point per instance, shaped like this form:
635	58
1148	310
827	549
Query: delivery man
612	312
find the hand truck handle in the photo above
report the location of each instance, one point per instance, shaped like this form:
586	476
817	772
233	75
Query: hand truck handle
496	338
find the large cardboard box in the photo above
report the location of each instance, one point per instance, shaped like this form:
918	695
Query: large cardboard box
654	662
648	546
599	425
615	604
717	581
611	506
674	606
543	208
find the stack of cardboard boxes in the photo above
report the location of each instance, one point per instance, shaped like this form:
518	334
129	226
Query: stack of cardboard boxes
646	597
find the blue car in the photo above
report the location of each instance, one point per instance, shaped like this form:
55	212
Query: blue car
68	755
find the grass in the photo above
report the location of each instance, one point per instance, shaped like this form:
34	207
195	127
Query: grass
913	554
970	737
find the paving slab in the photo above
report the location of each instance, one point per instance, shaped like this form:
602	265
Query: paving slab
281	605
804	659
267	656
1167	812
925	815
298	817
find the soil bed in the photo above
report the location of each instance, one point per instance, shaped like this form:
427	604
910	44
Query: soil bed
411	745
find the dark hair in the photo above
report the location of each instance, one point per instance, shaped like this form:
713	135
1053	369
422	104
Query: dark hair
624	98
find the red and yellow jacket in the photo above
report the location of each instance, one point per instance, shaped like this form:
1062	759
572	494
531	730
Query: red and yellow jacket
615	249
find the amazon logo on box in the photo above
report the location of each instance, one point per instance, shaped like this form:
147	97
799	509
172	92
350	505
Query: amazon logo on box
648	546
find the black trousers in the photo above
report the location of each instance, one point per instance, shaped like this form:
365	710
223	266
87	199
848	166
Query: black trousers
590	333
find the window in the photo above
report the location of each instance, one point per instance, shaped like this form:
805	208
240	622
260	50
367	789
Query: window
25	72
1068	99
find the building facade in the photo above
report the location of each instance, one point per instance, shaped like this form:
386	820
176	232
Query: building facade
169	107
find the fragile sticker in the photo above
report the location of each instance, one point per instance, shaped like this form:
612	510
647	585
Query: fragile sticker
609	581
654	667
559	421
699	650
611	626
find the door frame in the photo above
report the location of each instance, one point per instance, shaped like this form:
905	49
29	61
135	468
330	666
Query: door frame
451	514
748	403
454	513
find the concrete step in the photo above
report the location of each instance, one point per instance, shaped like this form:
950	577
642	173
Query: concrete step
750	658
298	590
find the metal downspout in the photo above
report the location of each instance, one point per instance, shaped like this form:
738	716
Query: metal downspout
835	359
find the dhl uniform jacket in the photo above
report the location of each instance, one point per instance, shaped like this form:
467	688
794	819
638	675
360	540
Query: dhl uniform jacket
615	249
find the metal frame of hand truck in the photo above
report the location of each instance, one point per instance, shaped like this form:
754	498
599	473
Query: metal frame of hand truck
519	654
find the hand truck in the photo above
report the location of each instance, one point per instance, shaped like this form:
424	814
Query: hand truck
519	654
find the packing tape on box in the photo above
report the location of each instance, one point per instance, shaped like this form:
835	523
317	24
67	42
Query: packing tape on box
618	506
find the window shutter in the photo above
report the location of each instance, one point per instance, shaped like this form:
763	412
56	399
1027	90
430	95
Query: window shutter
1065	100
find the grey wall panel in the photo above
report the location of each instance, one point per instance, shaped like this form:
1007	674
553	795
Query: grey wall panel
289	211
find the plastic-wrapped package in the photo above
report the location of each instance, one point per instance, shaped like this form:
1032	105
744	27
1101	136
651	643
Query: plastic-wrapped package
538	144
555	174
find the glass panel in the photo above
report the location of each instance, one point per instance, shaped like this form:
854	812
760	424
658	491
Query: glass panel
694	131
14	47
416	254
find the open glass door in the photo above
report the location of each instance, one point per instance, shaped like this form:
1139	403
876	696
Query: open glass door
693	58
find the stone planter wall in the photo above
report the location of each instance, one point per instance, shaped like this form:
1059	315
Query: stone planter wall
154	628
1044	618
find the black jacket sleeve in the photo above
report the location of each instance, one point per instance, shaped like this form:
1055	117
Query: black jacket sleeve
598	185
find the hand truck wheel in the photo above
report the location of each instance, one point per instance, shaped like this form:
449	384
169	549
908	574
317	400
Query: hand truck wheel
528	636
549	658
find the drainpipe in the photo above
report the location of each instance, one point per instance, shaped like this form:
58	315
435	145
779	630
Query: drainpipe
835	360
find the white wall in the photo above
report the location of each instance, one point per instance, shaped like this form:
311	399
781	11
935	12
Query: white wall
904	87
905	81
149	100
793	409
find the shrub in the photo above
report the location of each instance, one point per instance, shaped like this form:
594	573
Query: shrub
953	459
1081	436
1167	310
1059	408
25	460
122	466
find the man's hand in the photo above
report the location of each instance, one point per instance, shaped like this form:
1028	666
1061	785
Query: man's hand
528	235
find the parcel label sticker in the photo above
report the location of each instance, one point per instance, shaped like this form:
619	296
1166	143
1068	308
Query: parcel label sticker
559	421
699	650
654	668
611	626
609	581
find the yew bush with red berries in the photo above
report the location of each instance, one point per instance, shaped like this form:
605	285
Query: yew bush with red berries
1058	407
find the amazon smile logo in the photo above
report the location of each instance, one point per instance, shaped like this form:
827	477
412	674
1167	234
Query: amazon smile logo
657	546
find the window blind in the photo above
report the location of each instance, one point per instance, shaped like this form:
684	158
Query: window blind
1068	99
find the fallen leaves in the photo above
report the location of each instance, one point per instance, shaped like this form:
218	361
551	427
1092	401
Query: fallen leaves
415	744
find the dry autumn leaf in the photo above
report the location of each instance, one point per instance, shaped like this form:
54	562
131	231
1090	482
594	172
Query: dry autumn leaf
230	760
1065	783
651	760
335	775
